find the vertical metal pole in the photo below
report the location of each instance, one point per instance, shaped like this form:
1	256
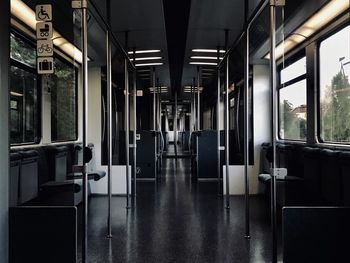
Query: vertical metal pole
227	139
135	128
218	126
85	123
156	103
194	106
127	131
175	125
109	131
154	99
198	101
246	137
273	125
246	126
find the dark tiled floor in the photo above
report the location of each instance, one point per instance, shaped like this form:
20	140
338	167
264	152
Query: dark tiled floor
178	220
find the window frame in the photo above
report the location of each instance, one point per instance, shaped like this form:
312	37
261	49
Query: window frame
289	61
22	66
339	25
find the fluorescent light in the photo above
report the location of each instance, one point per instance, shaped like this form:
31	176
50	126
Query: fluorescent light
25	14
148	64
144	51
188	89
203	57
311	26
204	63
162	89
16	94
147	58
208	50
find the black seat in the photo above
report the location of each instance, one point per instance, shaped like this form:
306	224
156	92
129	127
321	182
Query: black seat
28	179
330	178
344	160
15	163
312	181
95	175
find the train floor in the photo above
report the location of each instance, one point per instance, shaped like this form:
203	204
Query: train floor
178	220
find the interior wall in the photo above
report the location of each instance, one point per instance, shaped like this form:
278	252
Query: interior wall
262	133
94	136
4	127
207	120
222	115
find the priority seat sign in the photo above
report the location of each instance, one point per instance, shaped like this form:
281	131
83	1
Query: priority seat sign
44	34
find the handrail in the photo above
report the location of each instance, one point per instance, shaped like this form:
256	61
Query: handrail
108	28
250	21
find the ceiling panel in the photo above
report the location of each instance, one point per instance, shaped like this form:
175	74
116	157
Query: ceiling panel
208	21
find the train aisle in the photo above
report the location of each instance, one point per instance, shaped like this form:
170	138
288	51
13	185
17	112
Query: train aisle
178	220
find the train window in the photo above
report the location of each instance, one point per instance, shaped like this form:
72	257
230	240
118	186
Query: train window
24	110
22	51
292	101
63	86
334	55
24	106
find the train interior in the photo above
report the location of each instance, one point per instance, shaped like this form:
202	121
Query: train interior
174	131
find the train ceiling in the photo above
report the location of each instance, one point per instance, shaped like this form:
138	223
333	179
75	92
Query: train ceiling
177	27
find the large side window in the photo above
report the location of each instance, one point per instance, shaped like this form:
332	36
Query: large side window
63	102
334	71
24	101
292	101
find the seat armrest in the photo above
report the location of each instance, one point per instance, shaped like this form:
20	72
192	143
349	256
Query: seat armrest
65	186
95	175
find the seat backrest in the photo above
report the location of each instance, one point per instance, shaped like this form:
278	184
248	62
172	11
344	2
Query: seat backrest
312	183
28	180
264	161
15	163
285	157
57	162
344	160
330	178
60	163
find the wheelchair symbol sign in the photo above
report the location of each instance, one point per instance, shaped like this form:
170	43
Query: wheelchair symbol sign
43	13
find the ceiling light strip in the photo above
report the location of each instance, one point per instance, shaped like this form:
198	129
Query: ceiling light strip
204	63
146	51
312	25
199	50
204	57
148	64
147	58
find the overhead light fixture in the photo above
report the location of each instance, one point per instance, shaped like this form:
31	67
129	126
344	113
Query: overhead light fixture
188	89
147	58
208	70
204	63
16	94
145	51
203	57
148	64
208	50
161	89
325	15
26	15
207	74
